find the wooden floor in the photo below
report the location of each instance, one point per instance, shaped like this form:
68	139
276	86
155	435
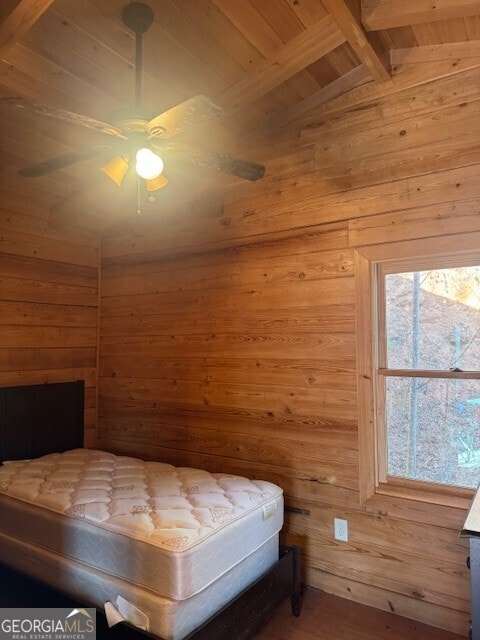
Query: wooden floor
323	617
326	617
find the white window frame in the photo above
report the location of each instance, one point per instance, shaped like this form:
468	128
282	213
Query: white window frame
372	263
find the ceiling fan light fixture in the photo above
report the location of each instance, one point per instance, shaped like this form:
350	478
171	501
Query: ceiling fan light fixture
135	127
116	169
148	165
156	183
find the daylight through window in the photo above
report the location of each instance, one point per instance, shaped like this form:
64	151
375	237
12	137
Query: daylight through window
418	364
427	374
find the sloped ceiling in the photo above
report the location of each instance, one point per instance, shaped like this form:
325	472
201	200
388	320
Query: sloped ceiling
266	62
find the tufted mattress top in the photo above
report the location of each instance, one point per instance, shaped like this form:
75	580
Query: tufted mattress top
172	530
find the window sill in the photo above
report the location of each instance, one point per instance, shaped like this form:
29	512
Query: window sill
442	495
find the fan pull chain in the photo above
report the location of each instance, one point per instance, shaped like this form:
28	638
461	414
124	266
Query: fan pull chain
139	211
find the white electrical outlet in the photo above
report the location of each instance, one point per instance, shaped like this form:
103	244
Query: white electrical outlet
340	528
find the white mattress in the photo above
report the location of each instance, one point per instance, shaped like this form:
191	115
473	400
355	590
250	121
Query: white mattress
168	619
171	530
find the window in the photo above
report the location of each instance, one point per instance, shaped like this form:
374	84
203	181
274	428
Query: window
418	323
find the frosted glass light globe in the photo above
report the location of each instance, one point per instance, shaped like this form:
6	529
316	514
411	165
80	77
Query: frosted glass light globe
148	165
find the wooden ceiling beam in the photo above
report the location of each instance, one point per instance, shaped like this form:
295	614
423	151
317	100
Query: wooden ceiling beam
354	78
388	14
371	53
16	18
309	46
405	76
433	53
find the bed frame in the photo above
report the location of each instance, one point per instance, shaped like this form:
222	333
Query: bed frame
40	419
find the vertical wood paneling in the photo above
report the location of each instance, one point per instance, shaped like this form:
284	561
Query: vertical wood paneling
240	355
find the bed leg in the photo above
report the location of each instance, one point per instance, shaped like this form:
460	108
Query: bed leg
296	597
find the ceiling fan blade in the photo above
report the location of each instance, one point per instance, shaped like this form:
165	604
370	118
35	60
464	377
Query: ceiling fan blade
213	160
62	114
185	115
42	168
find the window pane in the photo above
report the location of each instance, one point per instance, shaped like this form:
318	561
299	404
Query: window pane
433	319
432	429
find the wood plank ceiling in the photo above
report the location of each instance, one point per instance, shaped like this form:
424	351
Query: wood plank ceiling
265	61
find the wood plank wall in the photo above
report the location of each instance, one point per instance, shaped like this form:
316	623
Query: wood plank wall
228	332
48	298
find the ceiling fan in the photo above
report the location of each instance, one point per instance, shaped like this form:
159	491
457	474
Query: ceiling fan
137	140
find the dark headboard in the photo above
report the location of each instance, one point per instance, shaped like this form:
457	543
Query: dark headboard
40	419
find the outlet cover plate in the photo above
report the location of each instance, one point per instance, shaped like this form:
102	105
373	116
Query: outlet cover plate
340	529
